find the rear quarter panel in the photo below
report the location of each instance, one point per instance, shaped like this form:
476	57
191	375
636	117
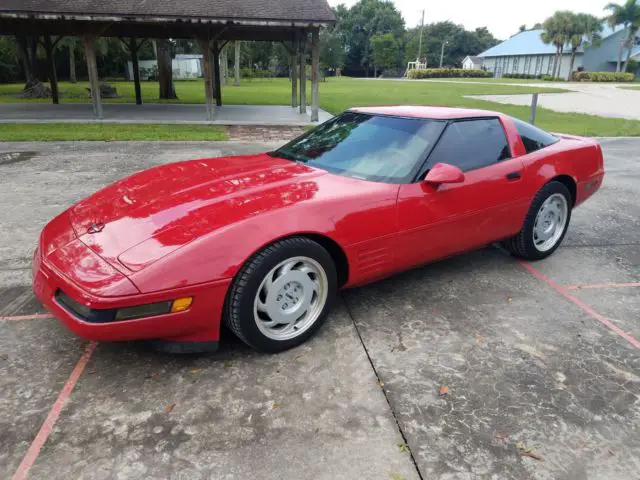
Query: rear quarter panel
576	157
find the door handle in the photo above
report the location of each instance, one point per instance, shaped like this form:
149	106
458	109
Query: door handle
513	176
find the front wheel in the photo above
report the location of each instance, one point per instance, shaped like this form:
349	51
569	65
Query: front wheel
545	225
282	295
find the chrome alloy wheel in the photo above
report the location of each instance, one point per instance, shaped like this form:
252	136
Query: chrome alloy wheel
290	299
550	222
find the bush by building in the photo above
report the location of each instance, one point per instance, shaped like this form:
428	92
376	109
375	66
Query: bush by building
448	73
603	77
523	76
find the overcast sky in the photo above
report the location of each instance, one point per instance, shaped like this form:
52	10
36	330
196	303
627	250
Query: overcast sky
501	17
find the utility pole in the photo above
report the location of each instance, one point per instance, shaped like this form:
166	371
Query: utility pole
420	43
442	52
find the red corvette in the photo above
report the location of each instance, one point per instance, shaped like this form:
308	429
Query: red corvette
263	242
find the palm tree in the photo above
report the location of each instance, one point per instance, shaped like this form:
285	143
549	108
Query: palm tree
585	32
551	36
565	21
628	15
557	30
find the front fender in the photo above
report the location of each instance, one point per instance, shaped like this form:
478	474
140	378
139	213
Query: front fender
220	254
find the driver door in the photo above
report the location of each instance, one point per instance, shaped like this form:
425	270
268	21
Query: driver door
438	221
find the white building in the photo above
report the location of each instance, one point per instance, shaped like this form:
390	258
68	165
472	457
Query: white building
525	53
472	63
183	66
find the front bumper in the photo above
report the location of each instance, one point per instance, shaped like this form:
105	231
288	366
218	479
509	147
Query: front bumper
200	323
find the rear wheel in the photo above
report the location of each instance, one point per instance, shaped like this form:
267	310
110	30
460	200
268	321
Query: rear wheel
545	225
282	295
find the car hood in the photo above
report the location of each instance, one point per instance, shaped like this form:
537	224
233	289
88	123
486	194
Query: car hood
142	218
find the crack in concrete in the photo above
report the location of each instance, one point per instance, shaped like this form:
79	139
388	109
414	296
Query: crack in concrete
384	392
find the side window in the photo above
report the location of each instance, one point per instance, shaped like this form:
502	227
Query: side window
532	137
471	144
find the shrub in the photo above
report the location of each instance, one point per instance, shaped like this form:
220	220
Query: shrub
448	73
525	76
603	77
246	72
549	78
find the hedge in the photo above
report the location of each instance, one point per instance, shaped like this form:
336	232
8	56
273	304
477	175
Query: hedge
524	76
448	73
603	77
550	78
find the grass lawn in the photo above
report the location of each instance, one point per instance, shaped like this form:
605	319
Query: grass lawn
335	92
49	132
338	94
630	88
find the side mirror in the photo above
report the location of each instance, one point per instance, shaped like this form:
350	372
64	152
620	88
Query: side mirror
444	173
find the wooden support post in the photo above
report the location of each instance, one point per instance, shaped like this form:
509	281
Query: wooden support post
294	72
94	80
51	63
315	73
205	46
133	48
216	73
303	72
236	64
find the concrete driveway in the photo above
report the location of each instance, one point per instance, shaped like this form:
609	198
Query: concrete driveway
476	367
594	99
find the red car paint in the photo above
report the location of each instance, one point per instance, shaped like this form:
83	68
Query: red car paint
185	229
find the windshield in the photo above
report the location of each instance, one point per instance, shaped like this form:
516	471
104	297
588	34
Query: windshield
368	147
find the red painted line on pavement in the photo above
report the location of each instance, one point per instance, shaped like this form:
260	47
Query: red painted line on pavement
602	285
563	291
28	317
47	427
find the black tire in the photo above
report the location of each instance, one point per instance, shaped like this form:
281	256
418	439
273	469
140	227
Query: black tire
522	245
239	308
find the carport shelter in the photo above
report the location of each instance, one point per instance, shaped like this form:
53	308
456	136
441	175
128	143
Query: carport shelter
213	23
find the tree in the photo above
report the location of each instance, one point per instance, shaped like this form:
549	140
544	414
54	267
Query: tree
75	51
363	21
628	15
460	42
385	50
9	64
585	31
332	52
165	70
73	78
28	48
557	30
523	28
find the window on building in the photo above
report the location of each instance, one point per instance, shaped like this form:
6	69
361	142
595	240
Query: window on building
538	68
516	60
527	64
532	137
471	144
549	64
